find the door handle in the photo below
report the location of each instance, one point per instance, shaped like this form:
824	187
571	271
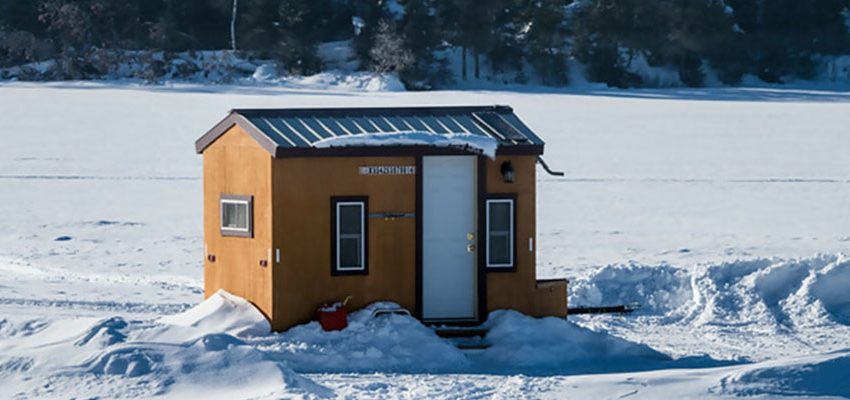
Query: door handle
470	236
470	248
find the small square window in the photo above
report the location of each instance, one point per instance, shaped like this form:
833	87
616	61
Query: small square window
349	244
500	233
236	216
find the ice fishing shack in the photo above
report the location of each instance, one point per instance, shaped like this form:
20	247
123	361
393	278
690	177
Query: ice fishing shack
429	207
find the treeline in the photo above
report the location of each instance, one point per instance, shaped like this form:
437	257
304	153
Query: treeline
509	40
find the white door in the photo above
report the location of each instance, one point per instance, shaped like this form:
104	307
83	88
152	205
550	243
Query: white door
448	237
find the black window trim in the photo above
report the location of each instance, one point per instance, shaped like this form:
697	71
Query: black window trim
233	198
501	197
335	201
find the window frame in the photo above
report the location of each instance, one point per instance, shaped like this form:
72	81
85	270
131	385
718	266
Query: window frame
511	199
336	202
236	199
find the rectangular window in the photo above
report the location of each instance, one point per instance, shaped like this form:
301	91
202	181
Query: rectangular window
500	233
236	215
349	235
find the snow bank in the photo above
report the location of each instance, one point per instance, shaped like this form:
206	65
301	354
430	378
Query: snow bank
390	343
213	67
756	309
479	143
401	344
223	312
657	288
554	345
344	80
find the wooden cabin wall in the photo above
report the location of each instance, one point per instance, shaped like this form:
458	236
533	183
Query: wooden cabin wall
518	289
303	188
235	164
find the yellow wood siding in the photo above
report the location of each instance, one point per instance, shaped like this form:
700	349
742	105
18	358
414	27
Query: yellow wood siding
236	164
303	188
518	289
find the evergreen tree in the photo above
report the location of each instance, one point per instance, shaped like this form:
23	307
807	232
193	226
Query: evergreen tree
782	35
769	38
365	17
608	35
423	38
701	30
18	15
298	35
546	41
258	26
502	41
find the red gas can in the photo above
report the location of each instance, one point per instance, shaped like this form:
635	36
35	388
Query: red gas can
333	317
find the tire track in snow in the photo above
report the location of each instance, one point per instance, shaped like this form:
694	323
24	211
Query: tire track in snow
100	178
698	180
131	307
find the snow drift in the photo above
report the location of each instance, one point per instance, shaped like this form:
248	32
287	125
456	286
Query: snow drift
401	344
755	309
819	375
190	356
223	312
523	344
390	343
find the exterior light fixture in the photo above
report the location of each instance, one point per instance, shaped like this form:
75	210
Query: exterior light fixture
507	172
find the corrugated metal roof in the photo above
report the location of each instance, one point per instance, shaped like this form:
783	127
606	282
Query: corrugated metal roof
301	128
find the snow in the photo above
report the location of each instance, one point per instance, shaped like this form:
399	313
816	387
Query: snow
754	310
220	68
114	357
390	343
338	55
478	143
223	312
822	375
522	344
722	211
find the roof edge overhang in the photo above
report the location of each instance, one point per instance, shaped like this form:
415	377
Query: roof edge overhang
401	151
233	118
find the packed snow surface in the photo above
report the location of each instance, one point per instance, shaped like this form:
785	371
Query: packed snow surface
723	212
477	143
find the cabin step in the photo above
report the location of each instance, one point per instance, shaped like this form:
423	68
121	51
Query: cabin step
469	343
473	346
464	338
448	333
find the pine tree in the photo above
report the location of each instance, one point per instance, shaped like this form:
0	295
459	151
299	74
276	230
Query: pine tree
367	12
607	36
423	38
18	15
298	35
546	41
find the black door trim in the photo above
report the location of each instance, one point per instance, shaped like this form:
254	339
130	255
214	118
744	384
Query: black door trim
481	270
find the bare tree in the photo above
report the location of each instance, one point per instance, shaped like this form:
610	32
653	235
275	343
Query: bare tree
233	25
388	53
